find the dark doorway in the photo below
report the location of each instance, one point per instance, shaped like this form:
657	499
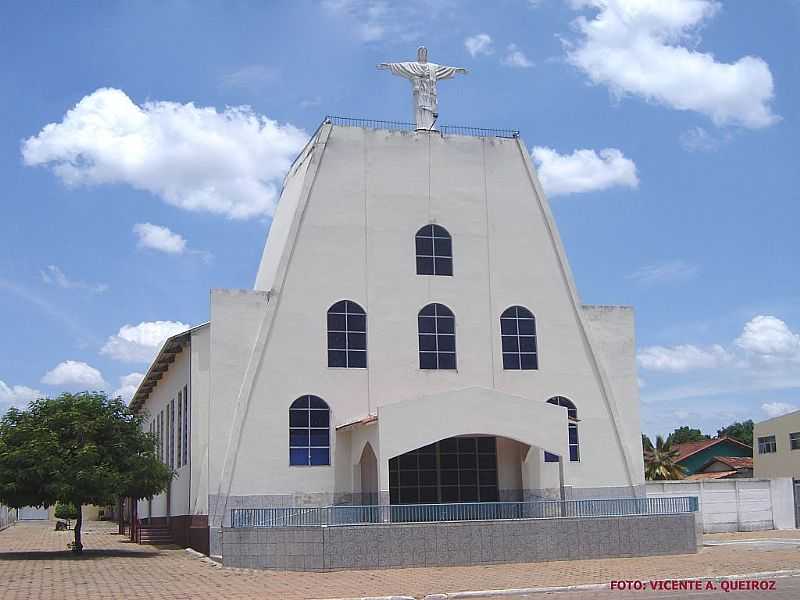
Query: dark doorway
459	469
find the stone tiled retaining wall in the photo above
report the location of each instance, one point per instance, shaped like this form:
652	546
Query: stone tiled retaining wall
380	546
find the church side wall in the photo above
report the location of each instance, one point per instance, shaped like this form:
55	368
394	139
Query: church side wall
199	394
172	382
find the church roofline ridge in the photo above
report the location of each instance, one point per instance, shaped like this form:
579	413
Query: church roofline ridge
463	130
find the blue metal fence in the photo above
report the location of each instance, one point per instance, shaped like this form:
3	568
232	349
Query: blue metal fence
404	126
332	516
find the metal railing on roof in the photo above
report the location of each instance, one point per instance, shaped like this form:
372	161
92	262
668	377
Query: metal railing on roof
404	126
332	516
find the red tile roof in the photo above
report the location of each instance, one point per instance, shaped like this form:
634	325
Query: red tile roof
686	449
712	475
736	462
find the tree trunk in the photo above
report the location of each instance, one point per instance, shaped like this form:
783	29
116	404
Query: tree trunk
77	547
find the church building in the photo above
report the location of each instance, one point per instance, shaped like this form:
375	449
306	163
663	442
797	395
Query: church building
414	336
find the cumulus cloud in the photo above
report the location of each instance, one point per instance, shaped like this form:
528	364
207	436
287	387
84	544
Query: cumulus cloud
671	271
776	409
157	237
52	275
480	43
128	384
73	373
583	170
516	58
642	48
140	343
17	396
228	163
768	335
682	358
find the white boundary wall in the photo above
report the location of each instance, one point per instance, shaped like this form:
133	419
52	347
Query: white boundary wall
736	504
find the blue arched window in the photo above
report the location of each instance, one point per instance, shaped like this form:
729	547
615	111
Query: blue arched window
437	337
309	432
572	429
434	251
518	337
347	335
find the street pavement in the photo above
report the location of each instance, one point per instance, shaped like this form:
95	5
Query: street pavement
35	564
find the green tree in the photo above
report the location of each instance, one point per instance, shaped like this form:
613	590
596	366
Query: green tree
66	510
686	434
78	449
660	461
740	430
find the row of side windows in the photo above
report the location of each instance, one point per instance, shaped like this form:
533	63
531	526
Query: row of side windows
170	427
310	437
436	329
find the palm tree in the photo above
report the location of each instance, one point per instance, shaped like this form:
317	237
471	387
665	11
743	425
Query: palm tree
660	461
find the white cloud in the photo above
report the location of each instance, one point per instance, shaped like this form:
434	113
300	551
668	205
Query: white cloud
776	409
128	384
641	47
768	335
480	43
682	358
17	396
157	237
583	170
516	58
229	163
376	20
140	343
73	373
671	271
52	275
698	139
251	77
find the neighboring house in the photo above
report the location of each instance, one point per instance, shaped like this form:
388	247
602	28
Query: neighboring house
778	447
725	467
414	335
693	456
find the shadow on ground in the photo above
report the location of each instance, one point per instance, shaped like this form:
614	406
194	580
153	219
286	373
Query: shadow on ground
88	554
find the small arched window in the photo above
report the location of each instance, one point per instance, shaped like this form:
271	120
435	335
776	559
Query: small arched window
572	429
518	337
347	335
309	432
437	337
434	251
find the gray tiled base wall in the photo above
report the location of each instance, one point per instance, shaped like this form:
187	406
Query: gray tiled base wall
383	546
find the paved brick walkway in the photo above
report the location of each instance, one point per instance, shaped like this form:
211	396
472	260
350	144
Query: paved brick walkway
34	564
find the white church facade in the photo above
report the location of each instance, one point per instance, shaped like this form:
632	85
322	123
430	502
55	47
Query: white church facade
414	335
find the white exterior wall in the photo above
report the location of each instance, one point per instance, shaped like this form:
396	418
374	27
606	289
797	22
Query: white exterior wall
345	230
173	381
736	504
199	395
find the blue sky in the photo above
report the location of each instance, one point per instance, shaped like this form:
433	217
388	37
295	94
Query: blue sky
664	133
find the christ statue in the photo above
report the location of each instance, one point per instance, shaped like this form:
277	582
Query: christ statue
423	76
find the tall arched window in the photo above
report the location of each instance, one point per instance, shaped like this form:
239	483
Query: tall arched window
309	432
572	429
434	251
347	335
518	337
437	337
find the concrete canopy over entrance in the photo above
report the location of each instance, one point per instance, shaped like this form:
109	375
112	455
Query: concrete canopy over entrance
417	422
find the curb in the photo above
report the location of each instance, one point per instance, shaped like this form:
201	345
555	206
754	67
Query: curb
597	586
376	598
203	558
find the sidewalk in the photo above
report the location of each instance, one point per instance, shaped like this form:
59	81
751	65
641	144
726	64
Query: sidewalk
34	563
